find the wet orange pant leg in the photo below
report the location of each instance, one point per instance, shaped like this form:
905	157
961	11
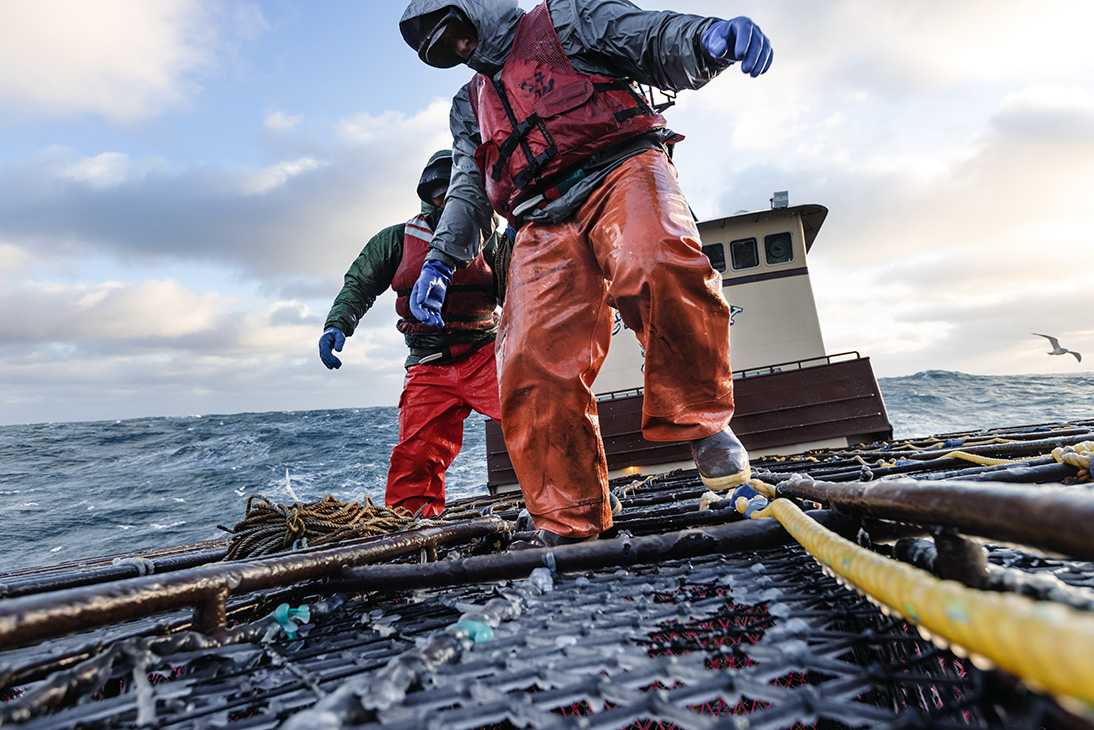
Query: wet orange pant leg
632	245
435	401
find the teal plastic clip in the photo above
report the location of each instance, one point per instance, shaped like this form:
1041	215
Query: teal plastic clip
288	618
476	630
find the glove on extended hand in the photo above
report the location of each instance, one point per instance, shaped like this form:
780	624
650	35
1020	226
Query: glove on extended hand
739	40
427	296
333	338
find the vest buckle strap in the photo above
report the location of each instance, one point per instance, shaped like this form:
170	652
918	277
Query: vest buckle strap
554	192
509	146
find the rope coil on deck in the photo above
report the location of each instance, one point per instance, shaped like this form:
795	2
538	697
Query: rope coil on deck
1049	645
270	528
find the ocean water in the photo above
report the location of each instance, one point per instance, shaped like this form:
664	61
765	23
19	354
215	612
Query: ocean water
73	490
940	401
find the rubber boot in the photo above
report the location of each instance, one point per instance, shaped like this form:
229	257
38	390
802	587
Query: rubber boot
721	460
547	539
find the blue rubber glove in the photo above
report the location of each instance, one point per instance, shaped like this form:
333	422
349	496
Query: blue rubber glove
427	296
333	338
739	40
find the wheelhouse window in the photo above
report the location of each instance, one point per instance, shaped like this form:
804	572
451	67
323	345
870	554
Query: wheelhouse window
744	253
716	253
778	249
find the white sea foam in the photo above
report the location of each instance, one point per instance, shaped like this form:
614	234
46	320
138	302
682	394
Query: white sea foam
160	481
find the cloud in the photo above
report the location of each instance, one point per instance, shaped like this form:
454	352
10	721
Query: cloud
281	122
296	220
14	258
956	171
263	181
155	347
1058	114
122	59
102	171
949	141
278	238
431	123
46	312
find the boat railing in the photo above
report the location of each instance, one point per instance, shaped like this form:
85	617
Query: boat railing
753	372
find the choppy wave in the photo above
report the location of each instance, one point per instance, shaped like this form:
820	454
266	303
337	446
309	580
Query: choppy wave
941	401
73	490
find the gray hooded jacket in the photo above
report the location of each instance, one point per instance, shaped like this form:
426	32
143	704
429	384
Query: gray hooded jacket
609	37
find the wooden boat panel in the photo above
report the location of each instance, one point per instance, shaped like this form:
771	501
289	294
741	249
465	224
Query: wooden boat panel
783	407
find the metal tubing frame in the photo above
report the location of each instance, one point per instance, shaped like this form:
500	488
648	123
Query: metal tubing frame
46	581
748	535
28	619
1055	518
1040	446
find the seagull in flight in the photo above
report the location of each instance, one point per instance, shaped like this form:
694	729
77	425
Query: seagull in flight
1056	349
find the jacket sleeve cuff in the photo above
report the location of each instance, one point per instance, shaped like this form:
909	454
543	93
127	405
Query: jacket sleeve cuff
435	254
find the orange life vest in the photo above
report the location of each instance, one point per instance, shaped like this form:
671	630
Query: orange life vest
540	117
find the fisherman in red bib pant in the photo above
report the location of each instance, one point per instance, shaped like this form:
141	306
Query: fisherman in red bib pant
450	370
553	134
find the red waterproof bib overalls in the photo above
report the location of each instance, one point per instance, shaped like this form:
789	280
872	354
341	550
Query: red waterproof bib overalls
436	399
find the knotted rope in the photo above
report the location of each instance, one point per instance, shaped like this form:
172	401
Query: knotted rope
1078	456
270	528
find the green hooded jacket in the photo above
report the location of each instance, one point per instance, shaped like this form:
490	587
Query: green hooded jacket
372	273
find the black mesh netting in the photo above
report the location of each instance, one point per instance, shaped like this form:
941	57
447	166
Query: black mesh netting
765	640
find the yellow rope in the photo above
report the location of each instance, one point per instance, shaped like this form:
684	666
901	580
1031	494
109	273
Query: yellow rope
978	459
1048	644
763	488
1077	455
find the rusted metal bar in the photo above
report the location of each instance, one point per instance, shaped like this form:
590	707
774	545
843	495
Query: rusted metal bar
1047	517
28	619
961	559
674	519
211	614
749	535
940	561
1041	445
1033	473
52	581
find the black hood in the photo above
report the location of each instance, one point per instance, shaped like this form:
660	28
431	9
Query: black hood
438	169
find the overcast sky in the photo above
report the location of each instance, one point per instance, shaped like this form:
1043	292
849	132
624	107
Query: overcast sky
183	184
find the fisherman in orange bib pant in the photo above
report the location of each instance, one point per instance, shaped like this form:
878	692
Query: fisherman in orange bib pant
552	134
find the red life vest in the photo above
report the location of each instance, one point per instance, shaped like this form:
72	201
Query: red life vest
540	116
470	302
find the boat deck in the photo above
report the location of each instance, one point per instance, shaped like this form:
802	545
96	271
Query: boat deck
679	617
